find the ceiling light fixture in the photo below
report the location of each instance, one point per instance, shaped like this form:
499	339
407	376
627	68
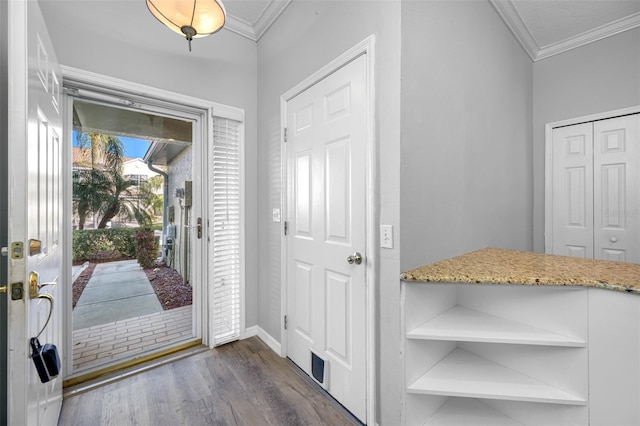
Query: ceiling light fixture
191	18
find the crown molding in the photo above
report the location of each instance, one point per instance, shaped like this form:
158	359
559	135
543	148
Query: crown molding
256	30
514	21
599	33
269	15
240	27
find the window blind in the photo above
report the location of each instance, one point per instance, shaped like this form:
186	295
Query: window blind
224	223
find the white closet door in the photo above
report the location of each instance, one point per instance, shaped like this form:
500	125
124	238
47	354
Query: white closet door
572	218
616	173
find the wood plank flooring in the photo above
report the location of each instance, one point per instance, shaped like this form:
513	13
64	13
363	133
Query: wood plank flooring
241	383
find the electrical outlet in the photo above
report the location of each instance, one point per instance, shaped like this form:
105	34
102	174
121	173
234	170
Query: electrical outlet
386	236
276	215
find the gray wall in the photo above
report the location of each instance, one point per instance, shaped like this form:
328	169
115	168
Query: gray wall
307	36
599	77
466	172
221	68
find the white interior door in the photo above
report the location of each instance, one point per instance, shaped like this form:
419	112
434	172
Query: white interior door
326	151
616	173
573	191
596	189
35	131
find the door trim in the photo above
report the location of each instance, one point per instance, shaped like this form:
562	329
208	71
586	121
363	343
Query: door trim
4	201
548	161
111	89
366	48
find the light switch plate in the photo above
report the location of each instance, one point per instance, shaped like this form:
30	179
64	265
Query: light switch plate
386	236
276	215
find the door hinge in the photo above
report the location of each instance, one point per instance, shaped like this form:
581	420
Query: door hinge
285	134
286	227
285	322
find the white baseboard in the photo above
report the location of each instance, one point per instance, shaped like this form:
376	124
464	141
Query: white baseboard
264	336
250	332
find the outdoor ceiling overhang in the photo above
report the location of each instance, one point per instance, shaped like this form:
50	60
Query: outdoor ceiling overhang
163	153
97	118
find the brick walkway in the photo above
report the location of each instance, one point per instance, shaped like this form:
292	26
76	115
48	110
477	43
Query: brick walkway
116	341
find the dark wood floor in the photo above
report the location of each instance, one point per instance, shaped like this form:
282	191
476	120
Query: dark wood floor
241	383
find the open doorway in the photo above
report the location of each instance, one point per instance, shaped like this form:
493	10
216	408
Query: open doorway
132	233
202	225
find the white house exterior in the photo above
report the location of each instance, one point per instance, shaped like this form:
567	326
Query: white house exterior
137	170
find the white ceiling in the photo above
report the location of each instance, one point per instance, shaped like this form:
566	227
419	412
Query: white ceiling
548	27
543	27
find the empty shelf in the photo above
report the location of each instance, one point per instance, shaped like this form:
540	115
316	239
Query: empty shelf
466	325
466	375
469	412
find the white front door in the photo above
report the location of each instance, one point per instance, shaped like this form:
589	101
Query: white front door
35	203
596	189
326	157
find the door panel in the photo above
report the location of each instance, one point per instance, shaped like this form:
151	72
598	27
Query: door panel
338	314
326	151
573	191
338	190
616	185
34	211
302	201
303	303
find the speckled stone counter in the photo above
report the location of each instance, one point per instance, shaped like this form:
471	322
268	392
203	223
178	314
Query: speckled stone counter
500	266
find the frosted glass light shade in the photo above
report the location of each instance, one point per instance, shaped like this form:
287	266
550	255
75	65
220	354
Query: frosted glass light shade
191	18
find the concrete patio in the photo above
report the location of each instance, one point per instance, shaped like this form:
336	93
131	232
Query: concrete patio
119	316
124	339
116	291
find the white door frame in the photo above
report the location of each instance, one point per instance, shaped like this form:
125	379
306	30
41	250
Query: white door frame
202	111
4	201
366	47
548	161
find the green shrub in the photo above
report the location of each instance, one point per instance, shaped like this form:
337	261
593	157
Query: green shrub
88	243
146	248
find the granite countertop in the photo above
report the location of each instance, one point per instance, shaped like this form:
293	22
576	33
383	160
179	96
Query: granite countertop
500	266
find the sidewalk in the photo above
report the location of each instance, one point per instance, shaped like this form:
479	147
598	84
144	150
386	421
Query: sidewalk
116	291
114	341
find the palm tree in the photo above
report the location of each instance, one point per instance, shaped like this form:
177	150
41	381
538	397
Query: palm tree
90	188
102	189
120	201
106	151
93	187
150	194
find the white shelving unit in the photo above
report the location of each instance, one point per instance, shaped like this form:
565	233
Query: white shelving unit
469	412
482	354
467	325
464	374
